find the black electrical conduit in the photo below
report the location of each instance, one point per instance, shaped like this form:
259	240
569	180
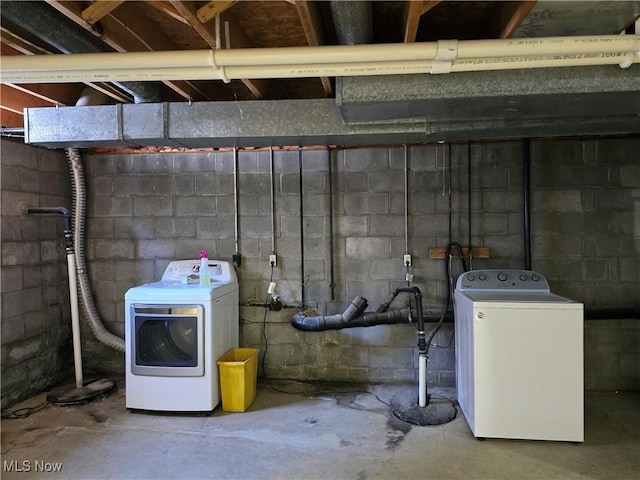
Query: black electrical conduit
526	189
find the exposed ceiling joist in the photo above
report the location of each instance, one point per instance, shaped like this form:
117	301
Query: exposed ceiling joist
97	10
311	23
207	31
126	31
514	13
213	8
413	10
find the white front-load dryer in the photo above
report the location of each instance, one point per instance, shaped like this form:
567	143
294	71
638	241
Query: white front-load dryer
175	333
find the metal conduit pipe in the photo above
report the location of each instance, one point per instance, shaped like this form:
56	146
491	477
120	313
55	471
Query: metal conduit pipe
343	60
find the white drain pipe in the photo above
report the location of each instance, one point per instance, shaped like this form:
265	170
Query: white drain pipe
343	60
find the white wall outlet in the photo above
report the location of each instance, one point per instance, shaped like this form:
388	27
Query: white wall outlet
407	260
273	259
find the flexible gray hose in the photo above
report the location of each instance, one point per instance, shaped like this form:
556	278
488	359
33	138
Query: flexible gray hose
79	199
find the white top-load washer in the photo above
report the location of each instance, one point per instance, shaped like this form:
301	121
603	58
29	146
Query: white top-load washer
519	357
176	330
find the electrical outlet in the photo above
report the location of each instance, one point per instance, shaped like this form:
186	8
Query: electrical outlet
273	259
407	260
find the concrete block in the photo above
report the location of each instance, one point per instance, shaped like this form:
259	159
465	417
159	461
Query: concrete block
219	226
97	165
612	152
367	247
351	225
556	153
170	227
352	182
183	185
614	199
153	163
358	203
565	200
366	159
184	206
133	228
24	350
289	183
154	206
20	253
10	178
194	162
150	249
107	206
114	249
390	357
11	279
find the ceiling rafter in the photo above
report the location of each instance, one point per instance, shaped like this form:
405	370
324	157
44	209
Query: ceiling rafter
125	30
514	13
167	9
413	10
311	23
62	94
97	10
213	8
207	31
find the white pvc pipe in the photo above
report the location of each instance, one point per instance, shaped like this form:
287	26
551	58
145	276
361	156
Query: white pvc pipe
75	319
314	70
422	380
203	64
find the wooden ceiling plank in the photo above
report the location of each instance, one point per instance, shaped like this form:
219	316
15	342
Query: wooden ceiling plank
11	119
213	8
118	29
309	15
167	9
55	93
15	100
514	13
97	10
188	11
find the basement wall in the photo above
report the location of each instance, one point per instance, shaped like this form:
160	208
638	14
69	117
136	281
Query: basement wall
36	318
148	209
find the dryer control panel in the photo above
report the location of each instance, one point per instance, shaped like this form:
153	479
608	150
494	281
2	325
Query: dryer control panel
519	281
220	271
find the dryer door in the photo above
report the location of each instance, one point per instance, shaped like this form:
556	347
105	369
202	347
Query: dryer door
167	340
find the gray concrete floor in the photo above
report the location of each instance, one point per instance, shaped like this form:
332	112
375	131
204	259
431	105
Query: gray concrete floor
307	436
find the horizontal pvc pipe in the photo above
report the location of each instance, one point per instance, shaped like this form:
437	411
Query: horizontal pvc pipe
312	70
447	49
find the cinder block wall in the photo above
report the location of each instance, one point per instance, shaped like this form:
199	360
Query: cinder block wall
148	209
36	332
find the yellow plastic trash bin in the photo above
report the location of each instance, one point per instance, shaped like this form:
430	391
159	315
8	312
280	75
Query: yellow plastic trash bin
238	377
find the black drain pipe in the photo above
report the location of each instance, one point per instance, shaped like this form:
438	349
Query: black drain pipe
526	187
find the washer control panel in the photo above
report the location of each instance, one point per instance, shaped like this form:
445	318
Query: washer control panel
502	280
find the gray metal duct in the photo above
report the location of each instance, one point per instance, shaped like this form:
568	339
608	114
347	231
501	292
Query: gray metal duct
282	122
41	20
353	21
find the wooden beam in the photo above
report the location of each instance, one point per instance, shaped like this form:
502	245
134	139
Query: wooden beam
413	10
97	10
213	8
188	11
513	14
19	44
11	119
309	15
167	9
15	99
54	93
477	252
237	35
126	30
